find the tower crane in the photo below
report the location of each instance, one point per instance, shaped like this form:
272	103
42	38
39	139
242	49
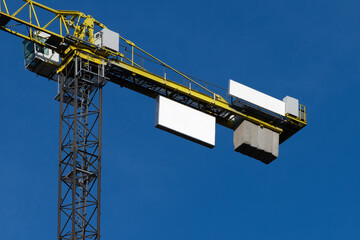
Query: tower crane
82	55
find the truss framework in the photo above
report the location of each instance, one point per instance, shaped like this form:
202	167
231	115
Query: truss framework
81	78
80	99
152	86
80	40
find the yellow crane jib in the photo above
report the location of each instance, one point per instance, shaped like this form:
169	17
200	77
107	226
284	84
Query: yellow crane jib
82	55
51	44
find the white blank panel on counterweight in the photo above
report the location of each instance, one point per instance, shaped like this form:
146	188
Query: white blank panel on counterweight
185	122
253	96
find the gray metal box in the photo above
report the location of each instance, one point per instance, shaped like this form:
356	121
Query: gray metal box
107	38
291	106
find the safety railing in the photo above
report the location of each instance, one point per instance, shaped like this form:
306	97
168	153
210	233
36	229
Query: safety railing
302	113
81	26
138	57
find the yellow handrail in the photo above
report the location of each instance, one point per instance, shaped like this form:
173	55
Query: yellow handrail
133	45
302	110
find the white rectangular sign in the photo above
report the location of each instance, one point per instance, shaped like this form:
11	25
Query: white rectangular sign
185	122
253	96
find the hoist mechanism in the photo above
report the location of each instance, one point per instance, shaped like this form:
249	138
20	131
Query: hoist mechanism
82	55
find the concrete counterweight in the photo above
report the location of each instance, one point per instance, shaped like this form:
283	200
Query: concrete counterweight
256	142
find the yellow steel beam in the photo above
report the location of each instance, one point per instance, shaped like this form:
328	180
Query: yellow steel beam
30	25
35	15
85	27
41	6
193	94
300	121
196	95
166	65
23	36
62	12
19	10
6	8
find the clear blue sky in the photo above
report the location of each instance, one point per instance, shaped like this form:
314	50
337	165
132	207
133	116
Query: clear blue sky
161	187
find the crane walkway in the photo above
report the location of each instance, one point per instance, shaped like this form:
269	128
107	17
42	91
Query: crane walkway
136	69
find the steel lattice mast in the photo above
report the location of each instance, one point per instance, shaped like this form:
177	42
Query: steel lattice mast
80	150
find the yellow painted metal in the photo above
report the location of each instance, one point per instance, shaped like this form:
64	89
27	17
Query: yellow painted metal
6	8
301	120
84	26
303	116
88	24
19	10
65	63
30	25
83	29
30	21
51	21
36	18
132	55
193	93
166	65
85	54
221	103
